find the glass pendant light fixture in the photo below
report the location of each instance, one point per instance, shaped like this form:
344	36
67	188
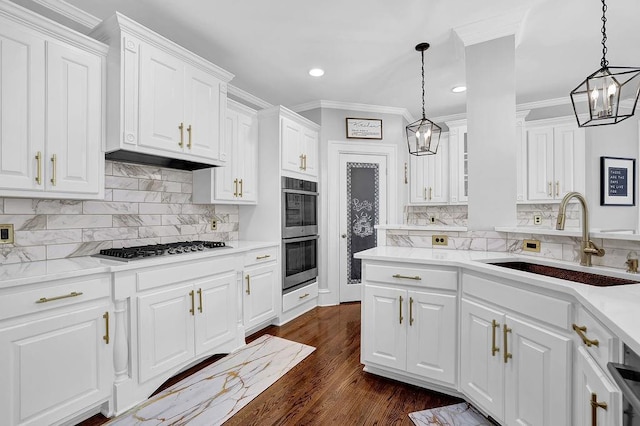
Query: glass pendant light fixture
609	95
423	136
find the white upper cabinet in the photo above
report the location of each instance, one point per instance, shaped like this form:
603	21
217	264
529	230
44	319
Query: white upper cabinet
555	159
459	161
52	134
429	179
236	183
166	101
299	144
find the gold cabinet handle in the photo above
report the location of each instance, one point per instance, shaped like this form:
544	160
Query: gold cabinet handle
193	303
241	186
39	168
430	193
424	193
305	162
189	132
505	331
557	188
248	284
401	318
266	256
581	332
594	408
106	323
301	161
494	348
51	299
303	296
550	192
416	278
54	161
200	299
181	128
411	311
235	187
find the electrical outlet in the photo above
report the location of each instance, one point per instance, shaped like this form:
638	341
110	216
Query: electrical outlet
432	219
531	245
537	219
214	224
440	240
6	233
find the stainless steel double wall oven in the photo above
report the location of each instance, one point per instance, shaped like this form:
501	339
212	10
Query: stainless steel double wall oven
299	233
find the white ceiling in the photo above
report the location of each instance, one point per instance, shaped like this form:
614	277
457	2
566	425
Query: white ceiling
366	47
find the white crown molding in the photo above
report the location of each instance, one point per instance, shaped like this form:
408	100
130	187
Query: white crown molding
348	106
566	100
450	118
510	23
70	11
248	97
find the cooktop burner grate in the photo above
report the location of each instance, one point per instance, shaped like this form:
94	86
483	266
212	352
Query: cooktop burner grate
139	252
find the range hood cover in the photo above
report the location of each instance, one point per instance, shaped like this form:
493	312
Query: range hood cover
155	160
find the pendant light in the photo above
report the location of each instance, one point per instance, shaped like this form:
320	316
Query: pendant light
423	136
609	95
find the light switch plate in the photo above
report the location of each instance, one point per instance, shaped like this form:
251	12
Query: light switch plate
6	233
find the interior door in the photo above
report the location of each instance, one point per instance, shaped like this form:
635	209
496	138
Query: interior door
362	205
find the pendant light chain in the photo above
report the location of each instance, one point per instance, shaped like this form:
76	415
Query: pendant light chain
423	113
604	63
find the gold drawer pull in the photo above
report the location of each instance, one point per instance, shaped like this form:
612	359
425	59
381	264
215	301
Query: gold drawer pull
557	188
181	128
417	277
594	408
581	332
266	256
189	131
240	193
51	299
193	303
550	192
401	318
248	284
301	162
200	297
39	173
494	348
106	323
235	187
505	331
303	296
430	193
54	161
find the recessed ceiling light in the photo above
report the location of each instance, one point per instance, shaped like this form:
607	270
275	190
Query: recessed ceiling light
459	89
316	72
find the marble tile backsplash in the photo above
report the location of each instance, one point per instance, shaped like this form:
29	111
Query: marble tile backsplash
142	205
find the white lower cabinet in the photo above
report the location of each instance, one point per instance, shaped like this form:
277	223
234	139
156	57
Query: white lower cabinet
57	361
261	287
410	328
516	370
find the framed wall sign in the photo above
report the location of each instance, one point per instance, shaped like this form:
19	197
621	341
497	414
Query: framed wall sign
617	181
364	128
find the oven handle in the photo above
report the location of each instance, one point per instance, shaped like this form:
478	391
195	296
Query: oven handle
298	191
299	239
627	391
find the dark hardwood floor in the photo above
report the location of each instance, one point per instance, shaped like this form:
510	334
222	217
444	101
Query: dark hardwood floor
329	386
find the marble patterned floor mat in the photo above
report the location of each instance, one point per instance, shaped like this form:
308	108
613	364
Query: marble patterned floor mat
462	414
218	391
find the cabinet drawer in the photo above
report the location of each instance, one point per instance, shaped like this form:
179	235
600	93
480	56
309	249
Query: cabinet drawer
412	275
535	305
299	296
607	348
53	295
258	256
183	272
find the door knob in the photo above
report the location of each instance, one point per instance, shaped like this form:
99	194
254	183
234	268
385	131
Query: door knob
344	235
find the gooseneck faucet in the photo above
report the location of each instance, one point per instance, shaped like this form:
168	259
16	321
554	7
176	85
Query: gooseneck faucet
587	247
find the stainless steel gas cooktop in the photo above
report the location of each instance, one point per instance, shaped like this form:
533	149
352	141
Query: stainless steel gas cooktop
127	254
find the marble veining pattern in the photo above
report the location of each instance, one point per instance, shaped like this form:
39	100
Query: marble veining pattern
217	392
142	205
462	414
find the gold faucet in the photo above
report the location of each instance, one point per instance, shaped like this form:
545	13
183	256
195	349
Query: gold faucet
587	247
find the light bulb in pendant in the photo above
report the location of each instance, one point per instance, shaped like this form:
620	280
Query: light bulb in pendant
594	97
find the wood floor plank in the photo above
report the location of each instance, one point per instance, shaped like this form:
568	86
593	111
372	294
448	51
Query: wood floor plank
329	387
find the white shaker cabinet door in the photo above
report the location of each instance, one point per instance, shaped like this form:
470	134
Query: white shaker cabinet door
161	101
260	292
22	96
291	141
216	311
226	178
74	122
247	157
310	152
540	152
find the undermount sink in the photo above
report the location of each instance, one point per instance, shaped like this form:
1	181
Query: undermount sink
566	274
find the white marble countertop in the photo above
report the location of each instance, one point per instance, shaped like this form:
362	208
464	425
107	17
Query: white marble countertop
451	228
617	307
609	234
17	274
